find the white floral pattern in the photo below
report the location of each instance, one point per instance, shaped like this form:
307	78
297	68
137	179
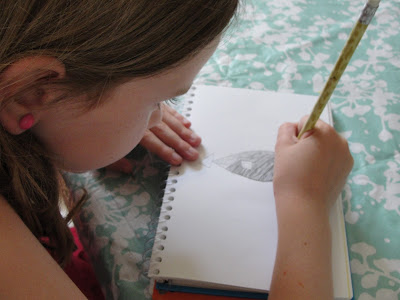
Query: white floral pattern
288	46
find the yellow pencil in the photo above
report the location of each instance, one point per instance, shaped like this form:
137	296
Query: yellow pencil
341	64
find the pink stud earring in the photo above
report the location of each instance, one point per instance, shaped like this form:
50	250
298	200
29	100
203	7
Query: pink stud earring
26	122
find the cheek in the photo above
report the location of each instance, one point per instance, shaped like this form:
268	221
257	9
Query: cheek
130	130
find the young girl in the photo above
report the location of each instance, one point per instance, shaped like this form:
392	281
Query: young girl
82	83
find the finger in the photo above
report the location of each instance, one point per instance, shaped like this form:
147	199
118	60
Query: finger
183	132
152	143
123	165
173	112
302	122
300	126
169	137
287	135
321	125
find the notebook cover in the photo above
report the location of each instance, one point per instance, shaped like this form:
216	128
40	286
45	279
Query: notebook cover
173	292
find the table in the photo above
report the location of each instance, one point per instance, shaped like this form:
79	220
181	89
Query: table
285	46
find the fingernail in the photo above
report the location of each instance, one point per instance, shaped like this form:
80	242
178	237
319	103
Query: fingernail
176	158
193	138
191	152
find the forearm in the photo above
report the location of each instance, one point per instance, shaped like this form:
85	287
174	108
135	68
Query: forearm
303	267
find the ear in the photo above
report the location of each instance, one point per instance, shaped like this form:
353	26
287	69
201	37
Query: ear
25	81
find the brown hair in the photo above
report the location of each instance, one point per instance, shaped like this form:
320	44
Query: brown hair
100	43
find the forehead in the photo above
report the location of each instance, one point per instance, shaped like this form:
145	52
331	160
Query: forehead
172	82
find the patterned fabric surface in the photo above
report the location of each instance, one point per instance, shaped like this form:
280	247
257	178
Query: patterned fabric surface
288	46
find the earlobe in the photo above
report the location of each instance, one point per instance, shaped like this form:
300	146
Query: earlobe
23	92
26	122
16	123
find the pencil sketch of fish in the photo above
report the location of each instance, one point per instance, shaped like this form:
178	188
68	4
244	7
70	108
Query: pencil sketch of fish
254	165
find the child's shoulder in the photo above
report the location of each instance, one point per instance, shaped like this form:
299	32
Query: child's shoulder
6	210
11	225
26	268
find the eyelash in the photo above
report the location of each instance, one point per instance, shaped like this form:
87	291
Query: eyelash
172	101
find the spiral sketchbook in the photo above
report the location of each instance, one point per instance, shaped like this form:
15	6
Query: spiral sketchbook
217	228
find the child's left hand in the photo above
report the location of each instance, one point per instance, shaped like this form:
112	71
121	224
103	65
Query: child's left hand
172	140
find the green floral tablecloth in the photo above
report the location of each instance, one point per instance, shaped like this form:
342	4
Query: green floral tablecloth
288	46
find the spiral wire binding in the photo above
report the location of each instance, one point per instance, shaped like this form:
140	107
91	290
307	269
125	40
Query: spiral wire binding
166	211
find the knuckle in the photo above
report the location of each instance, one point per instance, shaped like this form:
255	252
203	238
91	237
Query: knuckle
185	133
175	113
161	126
182	145
327	127
344	143
159	129
166	151
171	110
348	158
147	134
285	126
304	118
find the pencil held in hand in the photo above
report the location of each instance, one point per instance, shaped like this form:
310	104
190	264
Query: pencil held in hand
341	64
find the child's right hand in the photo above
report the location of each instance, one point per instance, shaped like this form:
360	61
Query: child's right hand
312	169
308	177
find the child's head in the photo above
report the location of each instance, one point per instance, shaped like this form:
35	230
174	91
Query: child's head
91	73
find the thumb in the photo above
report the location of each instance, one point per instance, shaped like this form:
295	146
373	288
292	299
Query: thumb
300	126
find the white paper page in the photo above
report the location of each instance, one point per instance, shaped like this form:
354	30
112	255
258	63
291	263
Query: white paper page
222	227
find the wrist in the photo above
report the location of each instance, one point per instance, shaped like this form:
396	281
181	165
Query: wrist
292	204
303	224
